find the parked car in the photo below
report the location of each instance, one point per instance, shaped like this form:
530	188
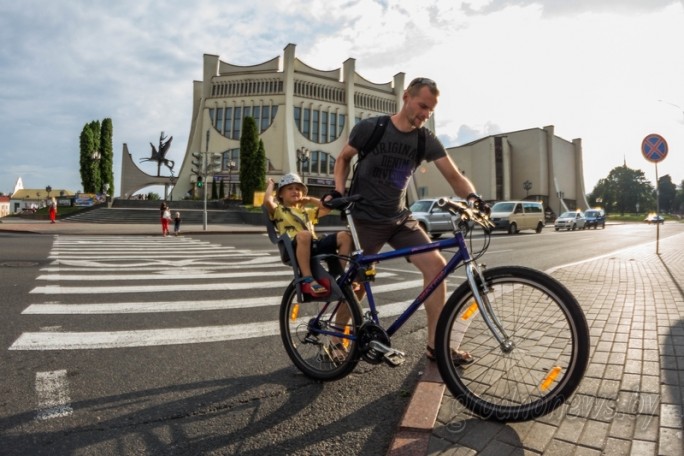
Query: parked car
434	220
570	221
654	218
513	216
595	218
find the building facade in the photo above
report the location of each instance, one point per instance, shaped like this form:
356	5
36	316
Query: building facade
304	116
532	164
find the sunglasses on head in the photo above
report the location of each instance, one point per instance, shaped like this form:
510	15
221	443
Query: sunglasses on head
422	82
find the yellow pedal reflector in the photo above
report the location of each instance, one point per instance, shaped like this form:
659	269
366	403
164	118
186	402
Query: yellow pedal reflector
550	377
469	311
347	332
294	313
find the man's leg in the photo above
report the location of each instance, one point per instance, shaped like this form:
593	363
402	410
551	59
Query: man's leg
430	264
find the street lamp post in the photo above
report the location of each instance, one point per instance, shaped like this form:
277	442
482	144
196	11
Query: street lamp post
560	202
206	157
231	164
302	157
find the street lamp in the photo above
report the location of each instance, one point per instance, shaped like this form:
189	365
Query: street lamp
527	185
302	157
231	165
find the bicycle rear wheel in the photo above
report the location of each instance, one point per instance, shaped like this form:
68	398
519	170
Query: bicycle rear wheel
549	348
320	337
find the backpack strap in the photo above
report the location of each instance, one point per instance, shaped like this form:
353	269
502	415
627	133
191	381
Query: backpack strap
375	137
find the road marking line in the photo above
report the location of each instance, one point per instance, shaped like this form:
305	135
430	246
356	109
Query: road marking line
52	390
55	308
162	275
157	337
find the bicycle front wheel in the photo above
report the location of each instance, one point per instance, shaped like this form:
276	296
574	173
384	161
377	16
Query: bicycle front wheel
320	337
541	364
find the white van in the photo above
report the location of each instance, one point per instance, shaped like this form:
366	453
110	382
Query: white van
513	216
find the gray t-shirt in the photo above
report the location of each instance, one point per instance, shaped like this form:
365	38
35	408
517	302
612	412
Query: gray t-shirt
383	175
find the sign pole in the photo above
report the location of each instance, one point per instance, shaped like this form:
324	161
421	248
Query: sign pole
654	149
657	211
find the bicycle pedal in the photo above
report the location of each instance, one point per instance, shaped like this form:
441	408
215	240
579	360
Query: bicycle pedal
395	358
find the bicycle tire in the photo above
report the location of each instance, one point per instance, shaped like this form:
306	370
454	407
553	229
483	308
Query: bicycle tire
550	345
311	350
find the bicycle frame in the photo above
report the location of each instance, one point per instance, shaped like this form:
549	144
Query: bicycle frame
358	260
361	260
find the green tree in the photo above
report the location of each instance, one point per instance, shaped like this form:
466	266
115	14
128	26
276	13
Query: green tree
214	189
667	193
90	157
107	155
222	190
679	199
252	161
623	189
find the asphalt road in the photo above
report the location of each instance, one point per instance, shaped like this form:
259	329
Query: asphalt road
151	345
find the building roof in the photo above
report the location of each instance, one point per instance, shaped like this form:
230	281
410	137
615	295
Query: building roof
40	193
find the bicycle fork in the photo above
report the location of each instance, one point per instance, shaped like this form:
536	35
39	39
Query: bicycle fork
485	307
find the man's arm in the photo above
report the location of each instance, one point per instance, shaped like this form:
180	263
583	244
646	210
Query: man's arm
342	167
460	184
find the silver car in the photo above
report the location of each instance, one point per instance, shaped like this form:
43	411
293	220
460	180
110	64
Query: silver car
570	221
434	220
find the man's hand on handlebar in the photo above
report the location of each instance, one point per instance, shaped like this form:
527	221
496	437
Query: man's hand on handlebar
479	204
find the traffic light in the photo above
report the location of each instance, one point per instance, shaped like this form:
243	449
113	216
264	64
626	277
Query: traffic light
200	181
216	163
197	163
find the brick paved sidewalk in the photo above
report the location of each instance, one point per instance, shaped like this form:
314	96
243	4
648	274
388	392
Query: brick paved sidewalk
631	399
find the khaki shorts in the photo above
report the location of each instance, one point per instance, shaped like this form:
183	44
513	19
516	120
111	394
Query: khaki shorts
404	233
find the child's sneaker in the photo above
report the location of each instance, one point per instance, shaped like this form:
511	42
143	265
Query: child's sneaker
313	288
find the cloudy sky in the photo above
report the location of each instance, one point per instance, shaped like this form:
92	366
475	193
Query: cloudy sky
606	71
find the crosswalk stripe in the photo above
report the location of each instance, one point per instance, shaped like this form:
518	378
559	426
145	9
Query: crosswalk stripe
180	306
159	337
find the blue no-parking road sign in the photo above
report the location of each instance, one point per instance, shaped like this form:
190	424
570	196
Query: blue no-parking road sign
654	148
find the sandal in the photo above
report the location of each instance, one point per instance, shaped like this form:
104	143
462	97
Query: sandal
458	357
311	287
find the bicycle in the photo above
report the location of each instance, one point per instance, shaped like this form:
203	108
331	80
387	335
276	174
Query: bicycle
526	331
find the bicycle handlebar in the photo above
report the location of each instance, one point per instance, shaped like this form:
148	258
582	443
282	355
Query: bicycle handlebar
466	213
342	202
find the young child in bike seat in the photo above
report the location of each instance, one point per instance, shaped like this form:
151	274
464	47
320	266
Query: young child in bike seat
295	213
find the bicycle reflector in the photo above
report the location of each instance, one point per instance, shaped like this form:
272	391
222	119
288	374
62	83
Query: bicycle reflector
294	313
553	373
469	311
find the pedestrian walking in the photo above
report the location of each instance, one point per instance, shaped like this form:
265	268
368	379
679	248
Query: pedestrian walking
176	223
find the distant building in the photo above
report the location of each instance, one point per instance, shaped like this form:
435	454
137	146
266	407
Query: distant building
304	116
529	164
31	199
4	206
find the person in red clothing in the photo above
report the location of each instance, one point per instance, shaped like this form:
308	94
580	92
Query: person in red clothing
165	218
53	211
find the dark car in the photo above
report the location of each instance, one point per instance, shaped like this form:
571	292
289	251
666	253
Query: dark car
595	218
654	219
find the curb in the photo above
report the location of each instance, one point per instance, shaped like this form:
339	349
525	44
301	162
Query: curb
418	422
